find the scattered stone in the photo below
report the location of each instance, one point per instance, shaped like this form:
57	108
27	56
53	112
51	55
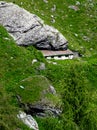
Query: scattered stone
52	16
28	120
34	61
91	5
74	7
21	3
6	38
52	89
91	16
72	45
78	3
22	87
53	21
46	1
42	14
11	58
50	62
53	8
76	34
86	38
42	66
81	47
91	49
29	29
76	55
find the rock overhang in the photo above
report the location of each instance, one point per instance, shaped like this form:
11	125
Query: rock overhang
29	29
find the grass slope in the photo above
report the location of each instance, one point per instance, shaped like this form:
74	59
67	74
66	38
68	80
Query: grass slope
75	80
15	65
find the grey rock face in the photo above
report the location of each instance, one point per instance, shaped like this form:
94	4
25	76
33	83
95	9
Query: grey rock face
28	120
46	101
29	29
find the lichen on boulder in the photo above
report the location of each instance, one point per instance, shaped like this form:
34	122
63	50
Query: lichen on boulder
38	97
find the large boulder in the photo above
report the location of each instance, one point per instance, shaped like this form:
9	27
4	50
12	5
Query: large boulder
38	97
29	29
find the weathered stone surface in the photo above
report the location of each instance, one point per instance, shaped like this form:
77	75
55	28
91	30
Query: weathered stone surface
42	66
74	7
28	120
29	29
52	89
34	61
39	110
46	101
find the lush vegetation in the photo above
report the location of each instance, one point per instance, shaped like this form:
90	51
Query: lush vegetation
75	80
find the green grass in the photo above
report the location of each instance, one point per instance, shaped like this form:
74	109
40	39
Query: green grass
74	80
35	89
17	70
15	65
8	113
69	22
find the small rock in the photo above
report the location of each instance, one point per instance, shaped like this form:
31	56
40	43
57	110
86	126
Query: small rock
81	47
74	7
42	66
86	38
52	16
91	49
46	1
52	89
6	38
22	87
72	46
76	34
91	16
53	21
34	60
28	120
77	3
53	8
42	14
11	58
21	3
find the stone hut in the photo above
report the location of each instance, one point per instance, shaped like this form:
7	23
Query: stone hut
58	55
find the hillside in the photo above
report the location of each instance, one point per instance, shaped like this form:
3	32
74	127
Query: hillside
74	80
79	27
